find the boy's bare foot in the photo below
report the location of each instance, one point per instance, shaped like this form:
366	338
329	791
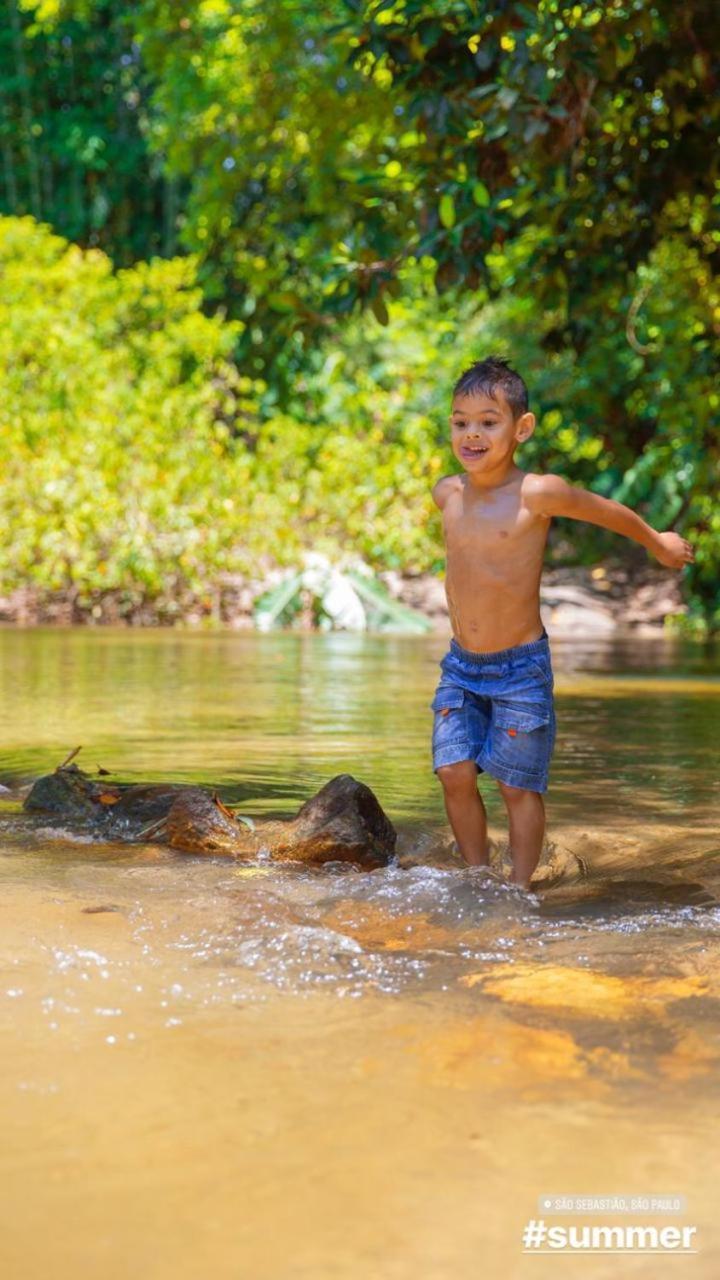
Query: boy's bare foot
489	872
525	889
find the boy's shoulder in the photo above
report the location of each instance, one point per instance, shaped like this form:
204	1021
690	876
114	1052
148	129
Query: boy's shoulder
442	489
537	488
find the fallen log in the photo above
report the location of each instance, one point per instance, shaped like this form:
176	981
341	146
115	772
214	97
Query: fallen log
343	822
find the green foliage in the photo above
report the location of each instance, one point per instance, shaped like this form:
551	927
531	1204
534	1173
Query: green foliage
116	392
370	194
238	132
585	121
74	124
134	456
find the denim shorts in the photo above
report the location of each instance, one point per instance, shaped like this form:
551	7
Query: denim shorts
497	709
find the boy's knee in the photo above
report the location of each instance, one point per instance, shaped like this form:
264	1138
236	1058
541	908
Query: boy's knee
458	779
515	795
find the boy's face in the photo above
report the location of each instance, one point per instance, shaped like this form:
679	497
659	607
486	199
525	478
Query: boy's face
484	432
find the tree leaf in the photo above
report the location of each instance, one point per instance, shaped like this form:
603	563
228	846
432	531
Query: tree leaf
447	211
379	309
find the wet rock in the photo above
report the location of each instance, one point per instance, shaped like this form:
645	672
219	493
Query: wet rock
342	823
122	810
67	793
623	895
139	806
583	992
198	823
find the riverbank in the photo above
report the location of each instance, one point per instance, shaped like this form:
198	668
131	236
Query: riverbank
575	600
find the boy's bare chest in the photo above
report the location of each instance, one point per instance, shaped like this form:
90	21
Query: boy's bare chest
499	527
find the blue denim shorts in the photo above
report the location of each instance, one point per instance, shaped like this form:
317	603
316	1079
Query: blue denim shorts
497	709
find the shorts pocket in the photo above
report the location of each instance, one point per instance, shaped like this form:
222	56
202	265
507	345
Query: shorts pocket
448	698
521	743
449	721
524	720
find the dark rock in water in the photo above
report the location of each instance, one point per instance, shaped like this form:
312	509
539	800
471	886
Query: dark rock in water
680	893
68	793
138	806
121	809
342	823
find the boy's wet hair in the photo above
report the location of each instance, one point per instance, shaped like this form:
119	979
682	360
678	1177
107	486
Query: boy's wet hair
485	376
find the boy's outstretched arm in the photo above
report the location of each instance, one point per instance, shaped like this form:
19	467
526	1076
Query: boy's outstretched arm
552	496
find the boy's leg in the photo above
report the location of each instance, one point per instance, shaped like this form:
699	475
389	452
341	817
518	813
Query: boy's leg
526	815
465	810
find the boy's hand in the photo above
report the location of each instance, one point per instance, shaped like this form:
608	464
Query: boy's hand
673	551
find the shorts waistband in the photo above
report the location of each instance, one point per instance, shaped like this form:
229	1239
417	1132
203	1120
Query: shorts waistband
501	655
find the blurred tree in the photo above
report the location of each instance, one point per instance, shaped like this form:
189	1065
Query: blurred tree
74	101
257	110
233	130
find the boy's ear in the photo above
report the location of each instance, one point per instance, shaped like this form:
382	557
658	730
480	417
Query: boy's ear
524	427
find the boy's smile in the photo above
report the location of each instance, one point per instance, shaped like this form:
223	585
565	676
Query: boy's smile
470	450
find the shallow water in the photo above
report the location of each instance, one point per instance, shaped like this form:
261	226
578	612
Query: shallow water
280	1072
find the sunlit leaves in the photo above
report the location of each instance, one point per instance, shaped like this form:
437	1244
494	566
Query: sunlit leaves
447	211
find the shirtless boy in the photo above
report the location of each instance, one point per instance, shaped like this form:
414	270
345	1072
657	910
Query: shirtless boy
494	703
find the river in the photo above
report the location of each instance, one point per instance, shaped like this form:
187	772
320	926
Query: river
324	1074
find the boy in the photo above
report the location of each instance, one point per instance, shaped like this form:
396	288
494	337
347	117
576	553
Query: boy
494	704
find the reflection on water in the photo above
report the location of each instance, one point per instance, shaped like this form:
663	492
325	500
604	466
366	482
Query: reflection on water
282	1072
270	718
